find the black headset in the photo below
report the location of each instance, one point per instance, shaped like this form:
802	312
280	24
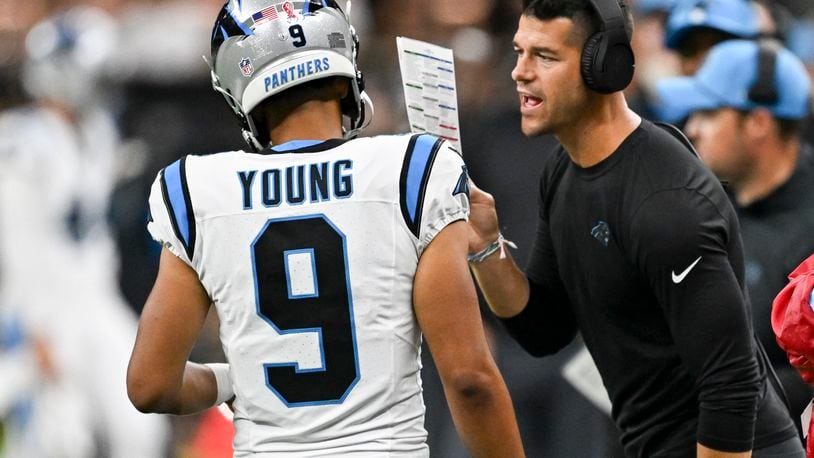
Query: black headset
607	58
764	91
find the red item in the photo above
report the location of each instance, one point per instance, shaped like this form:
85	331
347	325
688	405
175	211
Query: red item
793	325
214	436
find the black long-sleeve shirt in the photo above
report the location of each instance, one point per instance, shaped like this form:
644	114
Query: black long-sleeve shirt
642	254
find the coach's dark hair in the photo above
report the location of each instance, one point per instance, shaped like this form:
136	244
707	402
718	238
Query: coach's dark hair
579	11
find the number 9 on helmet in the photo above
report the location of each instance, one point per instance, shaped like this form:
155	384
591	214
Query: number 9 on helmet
261	48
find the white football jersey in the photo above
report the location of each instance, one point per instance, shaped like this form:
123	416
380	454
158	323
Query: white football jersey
309	256
58	276
55	183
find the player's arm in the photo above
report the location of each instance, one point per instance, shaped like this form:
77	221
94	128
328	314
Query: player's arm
447	310
159	377
680	241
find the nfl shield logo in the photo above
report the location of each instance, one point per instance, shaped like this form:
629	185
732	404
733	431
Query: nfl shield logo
246	67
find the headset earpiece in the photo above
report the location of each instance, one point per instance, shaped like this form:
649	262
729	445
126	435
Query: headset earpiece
608	63
764	91
588	58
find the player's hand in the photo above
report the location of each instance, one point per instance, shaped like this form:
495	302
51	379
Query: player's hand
483	224
44	357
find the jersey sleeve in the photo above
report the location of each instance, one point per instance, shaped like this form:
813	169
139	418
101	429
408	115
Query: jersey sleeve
171	222
682	243
434	188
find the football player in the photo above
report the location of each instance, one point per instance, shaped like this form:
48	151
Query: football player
59	158
327	258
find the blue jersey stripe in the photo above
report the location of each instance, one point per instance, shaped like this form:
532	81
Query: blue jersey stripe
177	199
415	174
422	152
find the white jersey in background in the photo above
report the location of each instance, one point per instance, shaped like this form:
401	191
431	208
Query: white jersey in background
309	256
58	278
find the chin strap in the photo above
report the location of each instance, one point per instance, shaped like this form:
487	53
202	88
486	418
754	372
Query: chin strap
255	145
366	111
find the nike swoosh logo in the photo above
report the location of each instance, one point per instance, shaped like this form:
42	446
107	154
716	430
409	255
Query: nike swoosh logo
680	277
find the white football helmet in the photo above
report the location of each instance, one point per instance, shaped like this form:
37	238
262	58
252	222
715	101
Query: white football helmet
263	47
68	54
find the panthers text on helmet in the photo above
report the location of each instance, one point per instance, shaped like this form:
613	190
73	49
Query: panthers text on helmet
296	72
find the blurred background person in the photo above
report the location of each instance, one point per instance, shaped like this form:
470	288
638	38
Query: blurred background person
60	156
694	26
653	60
746	107
800	40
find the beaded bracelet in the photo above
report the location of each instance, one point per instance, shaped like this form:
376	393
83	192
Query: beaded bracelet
499	244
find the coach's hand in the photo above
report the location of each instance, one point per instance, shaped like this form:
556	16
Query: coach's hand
483	223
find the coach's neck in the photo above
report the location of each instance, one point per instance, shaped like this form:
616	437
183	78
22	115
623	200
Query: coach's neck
603	125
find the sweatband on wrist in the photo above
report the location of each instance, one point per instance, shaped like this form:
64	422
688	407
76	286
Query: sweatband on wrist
222	381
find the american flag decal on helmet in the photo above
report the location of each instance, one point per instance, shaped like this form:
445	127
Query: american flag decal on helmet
264	15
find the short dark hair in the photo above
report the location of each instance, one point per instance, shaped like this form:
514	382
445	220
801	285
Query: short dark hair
701	39
579	11
790	129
